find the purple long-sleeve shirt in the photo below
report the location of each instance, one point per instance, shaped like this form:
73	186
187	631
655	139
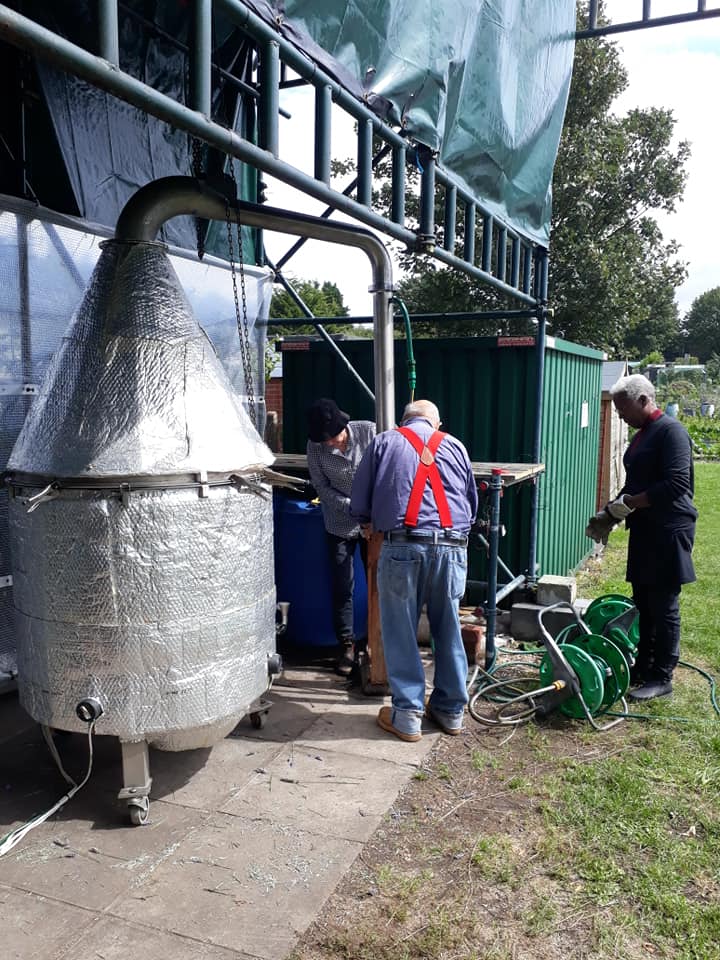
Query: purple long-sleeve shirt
383	481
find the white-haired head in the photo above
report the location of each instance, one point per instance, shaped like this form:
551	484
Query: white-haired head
633	387
422	408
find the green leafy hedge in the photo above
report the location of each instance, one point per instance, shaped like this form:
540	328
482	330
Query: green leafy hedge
705	434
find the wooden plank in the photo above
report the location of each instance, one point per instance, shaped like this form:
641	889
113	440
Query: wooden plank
512	472
378	671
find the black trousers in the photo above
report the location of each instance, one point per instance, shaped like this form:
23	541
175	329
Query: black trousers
341	552
659	647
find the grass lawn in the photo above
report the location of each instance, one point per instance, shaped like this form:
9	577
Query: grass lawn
553	840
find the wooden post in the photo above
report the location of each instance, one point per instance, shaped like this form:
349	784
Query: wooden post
377	677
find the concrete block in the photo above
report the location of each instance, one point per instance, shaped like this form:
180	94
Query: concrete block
552	589
524	625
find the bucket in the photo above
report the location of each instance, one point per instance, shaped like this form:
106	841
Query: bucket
707	409
302	575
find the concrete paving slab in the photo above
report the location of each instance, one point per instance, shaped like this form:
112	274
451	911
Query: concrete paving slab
113	939
38	928
320	790
221	771
297	700
242	883
73	862
356	732
244	844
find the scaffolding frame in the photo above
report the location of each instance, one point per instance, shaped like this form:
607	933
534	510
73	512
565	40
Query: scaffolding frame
492	250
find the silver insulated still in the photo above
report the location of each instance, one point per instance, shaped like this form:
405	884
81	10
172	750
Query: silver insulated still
140	528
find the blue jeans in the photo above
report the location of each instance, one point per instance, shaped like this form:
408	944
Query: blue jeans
341	553
410	575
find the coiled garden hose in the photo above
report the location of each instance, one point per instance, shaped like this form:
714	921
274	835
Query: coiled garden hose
507	692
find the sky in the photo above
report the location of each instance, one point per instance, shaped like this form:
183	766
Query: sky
676	67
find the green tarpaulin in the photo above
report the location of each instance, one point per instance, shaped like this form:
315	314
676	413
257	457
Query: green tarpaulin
483	82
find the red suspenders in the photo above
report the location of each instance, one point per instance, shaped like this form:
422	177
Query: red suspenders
427	470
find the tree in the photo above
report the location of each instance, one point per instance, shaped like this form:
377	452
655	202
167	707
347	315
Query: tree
612	274
325	300
702	325
653	358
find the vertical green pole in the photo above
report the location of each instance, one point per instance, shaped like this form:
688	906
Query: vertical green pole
501	266
469	240
200	57
323	105
397	213
427	197
449	225
515	262
364	162
495	492
269	96
488	226
541	292
527	268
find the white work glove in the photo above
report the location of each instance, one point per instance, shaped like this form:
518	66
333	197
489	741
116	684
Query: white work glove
599	526
619	509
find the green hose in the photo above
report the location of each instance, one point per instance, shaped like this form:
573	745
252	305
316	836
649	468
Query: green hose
411	371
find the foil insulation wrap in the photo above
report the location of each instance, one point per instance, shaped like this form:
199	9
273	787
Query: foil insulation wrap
136	387
162	608
155	595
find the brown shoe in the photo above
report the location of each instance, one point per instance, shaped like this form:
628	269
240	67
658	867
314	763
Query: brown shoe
384	720
439	722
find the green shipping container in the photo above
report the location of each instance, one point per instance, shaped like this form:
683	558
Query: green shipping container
485	390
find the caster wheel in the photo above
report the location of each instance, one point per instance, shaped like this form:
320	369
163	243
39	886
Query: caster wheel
257	720
139	811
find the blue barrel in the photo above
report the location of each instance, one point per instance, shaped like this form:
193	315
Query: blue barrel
302	575
672	409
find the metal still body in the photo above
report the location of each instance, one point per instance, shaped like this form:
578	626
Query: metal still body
141	533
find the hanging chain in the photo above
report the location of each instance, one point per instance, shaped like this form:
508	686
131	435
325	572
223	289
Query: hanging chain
241	315
198	164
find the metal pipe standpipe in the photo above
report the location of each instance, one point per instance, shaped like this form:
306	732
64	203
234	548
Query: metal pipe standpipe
140	517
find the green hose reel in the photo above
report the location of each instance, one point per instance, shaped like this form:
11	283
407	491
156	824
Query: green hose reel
615	617
601	669
600	649
584	672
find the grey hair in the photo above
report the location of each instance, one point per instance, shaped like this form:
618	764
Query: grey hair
633	387
422	408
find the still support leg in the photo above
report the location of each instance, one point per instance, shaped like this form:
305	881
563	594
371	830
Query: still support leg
136	780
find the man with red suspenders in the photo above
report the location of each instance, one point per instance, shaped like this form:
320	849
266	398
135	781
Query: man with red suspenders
415	485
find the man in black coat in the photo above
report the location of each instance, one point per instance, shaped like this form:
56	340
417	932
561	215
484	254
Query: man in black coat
656	504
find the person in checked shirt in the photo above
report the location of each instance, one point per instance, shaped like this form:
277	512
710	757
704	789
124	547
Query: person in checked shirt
335	447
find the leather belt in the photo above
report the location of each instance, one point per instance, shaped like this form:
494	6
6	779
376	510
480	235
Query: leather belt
451	537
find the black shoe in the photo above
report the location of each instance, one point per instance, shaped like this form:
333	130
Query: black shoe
651	690
344	665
